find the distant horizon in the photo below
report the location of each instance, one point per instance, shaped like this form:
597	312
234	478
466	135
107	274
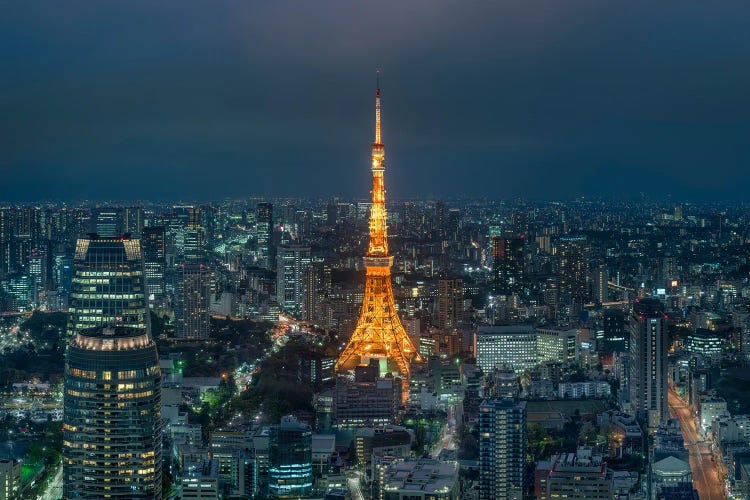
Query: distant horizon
124	203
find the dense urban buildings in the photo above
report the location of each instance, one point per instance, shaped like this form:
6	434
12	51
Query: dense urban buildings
601	344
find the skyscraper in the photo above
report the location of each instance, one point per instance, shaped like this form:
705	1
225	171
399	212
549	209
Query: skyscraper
153	242
599	280
450	303
132	220
572	269
292	263
502	449
194	237
648	368
264	234
508	264
112	397
112	415
379	333
108	221
108	287
315	283
290	459
193	300
10	479
615	336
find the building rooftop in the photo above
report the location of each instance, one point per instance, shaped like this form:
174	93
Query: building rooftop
425	475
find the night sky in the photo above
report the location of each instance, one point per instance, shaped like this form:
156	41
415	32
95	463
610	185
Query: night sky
535	99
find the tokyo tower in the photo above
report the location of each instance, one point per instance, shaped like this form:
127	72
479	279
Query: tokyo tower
379	333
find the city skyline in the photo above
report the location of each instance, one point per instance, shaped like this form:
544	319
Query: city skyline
540	102
554	302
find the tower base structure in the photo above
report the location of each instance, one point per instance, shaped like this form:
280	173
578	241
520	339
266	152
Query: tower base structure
379	333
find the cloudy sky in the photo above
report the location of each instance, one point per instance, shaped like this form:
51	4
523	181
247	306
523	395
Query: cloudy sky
547	99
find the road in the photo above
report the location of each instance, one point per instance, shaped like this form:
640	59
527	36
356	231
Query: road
706	478
354	482
53	490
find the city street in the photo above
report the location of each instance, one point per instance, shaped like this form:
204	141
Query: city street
53	491
353	479
706	478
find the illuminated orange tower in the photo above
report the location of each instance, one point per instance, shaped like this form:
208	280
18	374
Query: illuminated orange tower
379	333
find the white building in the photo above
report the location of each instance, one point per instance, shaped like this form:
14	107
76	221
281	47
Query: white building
513	345
556	345
711	408
577	390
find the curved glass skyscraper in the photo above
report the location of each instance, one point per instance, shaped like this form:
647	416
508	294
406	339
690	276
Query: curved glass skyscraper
112	430
112	399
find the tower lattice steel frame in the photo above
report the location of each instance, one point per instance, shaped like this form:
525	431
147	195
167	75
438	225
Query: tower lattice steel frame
379	332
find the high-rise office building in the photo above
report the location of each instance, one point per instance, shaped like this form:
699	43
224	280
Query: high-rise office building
192	319
502	449
292	263
153	243
614	335
508	264
20	233
194	237
10	479
599	286
316	282
112	436
132	220
107	221
37	269
108	287
572	252
264	234
648	368
450	303
62	277
290	459
6	239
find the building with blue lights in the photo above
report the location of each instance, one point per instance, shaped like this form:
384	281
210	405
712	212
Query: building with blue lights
290	472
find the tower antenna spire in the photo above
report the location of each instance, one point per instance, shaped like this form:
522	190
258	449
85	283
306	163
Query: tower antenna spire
377	108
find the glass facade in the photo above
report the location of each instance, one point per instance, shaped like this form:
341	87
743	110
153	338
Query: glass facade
153	241
192	314
112	415
502	449
290	460
108	287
